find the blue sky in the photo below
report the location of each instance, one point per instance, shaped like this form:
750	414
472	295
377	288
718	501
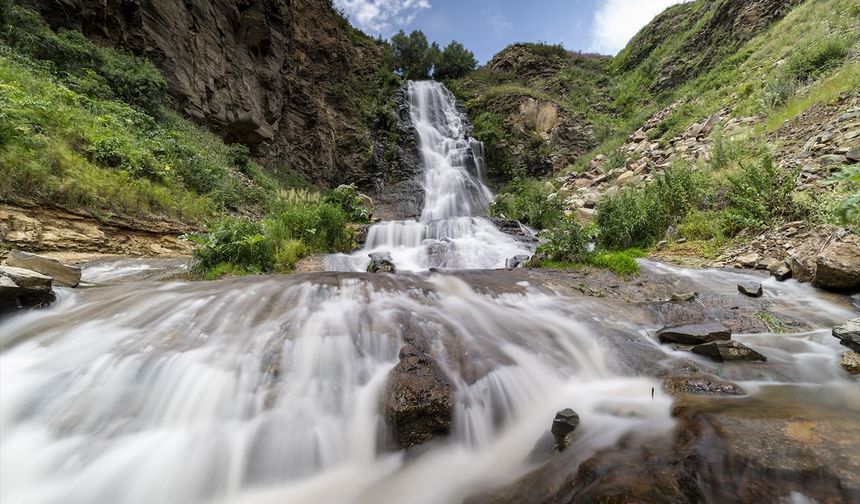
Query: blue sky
487	26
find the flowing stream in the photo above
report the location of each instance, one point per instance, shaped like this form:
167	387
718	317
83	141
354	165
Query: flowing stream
268	389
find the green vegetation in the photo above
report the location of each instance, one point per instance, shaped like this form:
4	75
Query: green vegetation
528	201
415	59
300	224
346	198
85	127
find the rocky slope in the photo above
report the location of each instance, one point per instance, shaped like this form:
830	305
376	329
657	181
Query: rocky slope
287	77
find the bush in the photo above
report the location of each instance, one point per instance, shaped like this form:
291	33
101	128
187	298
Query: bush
346	198
641	216
530	202
759	195
233	241
568	242
807	64
849	208
454	61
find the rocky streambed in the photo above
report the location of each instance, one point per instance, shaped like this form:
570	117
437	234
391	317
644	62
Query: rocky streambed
434	387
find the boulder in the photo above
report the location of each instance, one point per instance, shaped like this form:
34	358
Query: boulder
380	262
62	274
517	261
837	266
418	402
682	297
694	334
700	383
849	334
802	268
748	260
751	289
851	362
728	351
563	425
782	273
20	288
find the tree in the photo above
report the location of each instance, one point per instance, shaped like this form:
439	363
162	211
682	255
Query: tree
413	56
454	61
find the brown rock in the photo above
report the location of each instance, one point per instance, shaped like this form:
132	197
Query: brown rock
851	362
838	264
62	274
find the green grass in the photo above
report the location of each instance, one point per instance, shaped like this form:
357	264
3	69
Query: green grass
622	263
85	128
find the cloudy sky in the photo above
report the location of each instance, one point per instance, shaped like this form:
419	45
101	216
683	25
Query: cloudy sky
487	26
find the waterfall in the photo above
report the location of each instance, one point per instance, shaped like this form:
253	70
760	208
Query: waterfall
452	231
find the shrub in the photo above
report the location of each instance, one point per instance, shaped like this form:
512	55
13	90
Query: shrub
454	61
346	198
233	241
641	216
759	194
530	202
567	242
849	208
809	63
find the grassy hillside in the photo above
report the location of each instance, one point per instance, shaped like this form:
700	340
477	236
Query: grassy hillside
89	129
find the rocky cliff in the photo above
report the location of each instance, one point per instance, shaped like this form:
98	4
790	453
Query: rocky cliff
289	78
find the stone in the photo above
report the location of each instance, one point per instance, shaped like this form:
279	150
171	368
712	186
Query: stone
848	334
748	260
418	401
700	383
683	297
751	289
837	266
565	422
517	261
728	351
853	155
851	362
782	273
694	334
661	244
829	159
802	268
380	262
62	274
27	279
624	178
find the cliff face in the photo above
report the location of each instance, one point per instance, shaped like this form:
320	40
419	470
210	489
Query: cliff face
272	74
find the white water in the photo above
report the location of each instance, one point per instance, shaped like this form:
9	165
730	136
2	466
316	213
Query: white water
451	232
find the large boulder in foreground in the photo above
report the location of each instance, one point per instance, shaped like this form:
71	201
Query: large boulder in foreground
837	266
62	274
849	334
694	334
418	402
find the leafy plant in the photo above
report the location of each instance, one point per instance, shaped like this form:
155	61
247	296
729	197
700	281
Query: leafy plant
567	242
759	194
346	198
530	202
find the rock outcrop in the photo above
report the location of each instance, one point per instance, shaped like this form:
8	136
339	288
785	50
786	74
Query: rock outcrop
70	276
277	75
694	334
22	288
728	351
848	334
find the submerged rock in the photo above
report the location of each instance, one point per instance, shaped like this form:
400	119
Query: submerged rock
381	262
848	334
700	383
565	422
851	362
694	334
728	351
418	402
751	289
69	276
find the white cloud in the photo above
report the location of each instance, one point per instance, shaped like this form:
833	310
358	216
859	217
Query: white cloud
378	16
616	21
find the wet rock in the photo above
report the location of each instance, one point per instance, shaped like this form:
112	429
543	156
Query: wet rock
62	274
693	334
837	267
782	273
515	229
728	351
21	288
849	334
517	261
851	362
700	383
566	421
380	262
683	297
418	402
751	289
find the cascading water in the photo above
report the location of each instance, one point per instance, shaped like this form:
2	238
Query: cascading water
451	232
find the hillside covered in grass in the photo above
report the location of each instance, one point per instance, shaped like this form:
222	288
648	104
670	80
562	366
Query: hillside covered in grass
90	129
